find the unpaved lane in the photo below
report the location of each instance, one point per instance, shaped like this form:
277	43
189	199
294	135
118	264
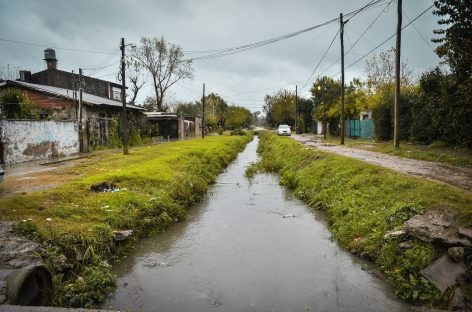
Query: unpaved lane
453	175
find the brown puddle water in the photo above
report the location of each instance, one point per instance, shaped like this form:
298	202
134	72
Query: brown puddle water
238	253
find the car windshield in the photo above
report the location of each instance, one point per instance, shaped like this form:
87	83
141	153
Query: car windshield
284	127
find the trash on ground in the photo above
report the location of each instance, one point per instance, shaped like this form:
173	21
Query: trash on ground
104	187
289	215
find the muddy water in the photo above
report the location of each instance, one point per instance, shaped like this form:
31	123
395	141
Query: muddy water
238	253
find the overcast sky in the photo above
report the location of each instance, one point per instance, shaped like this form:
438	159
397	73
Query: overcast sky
242	79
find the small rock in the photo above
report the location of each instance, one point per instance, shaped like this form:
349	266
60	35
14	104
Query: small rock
122	235
405	245
464	232
457	302
394	234
444	273
456	253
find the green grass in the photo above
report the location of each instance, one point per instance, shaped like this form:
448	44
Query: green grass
157	185
363	202
434	152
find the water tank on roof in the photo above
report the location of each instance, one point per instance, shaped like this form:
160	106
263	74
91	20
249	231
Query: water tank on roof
50	55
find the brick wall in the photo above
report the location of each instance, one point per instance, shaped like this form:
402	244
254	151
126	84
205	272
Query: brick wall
26	140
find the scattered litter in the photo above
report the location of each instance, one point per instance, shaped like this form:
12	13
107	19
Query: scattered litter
289	215
152	198
48	219
104	187
106	206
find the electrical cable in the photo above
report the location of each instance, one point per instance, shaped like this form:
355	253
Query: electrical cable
386	40
57	48
243	48
321	60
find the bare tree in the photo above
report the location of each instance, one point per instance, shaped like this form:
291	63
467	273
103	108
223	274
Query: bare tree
380	69
134	77
164	62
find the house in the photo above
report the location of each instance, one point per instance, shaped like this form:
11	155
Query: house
173	126
54	94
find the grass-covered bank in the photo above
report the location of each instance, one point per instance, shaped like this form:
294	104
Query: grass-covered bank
362	203
154	187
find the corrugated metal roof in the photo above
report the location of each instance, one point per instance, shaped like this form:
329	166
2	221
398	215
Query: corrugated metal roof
66	93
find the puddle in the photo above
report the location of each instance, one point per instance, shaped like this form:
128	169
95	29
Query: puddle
238	253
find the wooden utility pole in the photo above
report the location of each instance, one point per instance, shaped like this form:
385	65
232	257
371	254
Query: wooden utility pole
81	128
285	108
296	109
124	118
396	122
342	76
325	121
203	113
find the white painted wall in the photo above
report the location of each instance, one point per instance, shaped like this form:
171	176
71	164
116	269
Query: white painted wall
26	140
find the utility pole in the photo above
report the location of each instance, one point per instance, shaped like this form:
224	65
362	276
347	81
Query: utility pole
342	77
296	108
324	108
81	128
285	110
203	113
123	98
396	123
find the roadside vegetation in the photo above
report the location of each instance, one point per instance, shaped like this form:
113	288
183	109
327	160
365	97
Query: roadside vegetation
436	151
362	203
146	192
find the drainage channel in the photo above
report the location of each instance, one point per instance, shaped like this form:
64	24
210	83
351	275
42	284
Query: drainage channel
250	246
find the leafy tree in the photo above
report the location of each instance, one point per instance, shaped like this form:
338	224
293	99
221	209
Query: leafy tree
189	108
164	62
325	94
215	111
267	108
305	111
16	105
238	117
282	108
456	38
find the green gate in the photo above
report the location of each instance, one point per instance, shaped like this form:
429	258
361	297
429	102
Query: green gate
356	128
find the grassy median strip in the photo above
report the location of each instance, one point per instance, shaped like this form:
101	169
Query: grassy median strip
363	202
152	188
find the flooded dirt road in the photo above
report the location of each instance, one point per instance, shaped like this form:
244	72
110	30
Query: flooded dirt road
237	252
453	175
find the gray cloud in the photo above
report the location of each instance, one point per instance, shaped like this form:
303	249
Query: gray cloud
211	24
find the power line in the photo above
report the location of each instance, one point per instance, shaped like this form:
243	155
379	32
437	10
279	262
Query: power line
386	40
57	48
419	34
321	60
243	48
360	37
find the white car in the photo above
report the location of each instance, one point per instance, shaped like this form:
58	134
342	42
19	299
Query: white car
284	130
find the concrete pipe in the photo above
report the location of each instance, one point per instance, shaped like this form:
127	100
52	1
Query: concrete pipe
28	286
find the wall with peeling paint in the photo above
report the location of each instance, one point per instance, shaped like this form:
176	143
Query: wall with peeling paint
26	140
